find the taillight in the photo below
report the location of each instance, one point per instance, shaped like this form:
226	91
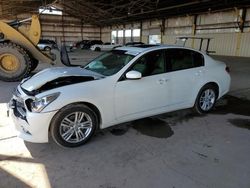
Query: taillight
227	69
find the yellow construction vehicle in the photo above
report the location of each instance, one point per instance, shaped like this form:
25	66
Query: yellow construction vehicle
19	54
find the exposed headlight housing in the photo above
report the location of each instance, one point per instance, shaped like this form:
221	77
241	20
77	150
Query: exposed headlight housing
39	104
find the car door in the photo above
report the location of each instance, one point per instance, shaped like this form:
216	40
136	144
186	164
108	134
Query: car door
145	96
105	46
185	70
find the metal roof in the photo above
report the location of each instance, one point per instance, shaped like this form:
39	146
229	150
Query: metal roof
109	12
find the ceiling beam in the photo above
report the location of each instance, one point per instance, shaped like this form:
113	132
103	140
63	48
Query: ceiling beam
107	12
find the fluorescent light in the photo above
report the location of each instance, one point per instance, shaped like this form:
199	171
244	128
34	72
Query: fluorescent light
50	10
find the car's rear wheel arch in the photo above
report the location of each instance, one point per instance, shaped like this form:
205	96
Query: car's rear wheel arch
206	98
212	84
215	86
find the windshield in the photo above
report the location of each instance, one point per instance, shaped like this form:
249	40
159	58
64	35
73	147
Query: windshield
110	63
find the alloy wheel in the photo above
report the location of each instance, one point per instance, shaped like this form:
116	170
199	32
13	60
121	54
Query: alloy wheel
75	127
207	99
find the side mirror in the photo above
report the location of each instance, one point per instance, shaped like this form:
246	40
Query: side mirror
133	75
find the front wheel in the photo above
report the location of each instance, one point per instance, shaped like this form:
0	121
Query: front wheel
73	125
206	99
47	48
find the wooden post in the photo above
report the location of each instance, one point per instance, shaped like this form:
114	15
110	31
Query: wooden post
131	29
82	29
1	10
141	31
63	36
242	20
194	28
100	33
116	38
162	29
241	28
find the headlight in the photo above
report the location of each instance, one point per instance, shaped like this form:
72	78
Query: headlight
39	104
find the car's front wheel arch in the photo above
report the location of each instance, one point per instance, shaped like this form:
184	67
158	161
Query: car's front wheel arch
95	109
92	120
92	107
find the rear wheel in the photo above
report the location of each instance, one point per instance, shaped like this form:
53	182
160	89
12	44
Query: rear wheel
206	99
97	49
73	125
15	62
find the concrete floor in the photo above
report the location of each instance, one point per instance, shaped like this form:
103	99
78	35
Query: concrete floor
172	150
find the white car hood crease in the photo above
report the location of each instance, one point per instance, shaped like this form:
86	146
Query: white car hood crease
47	75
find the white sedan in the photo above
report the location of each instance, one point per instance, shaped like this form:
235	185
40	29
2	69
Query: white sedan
122	85
104	47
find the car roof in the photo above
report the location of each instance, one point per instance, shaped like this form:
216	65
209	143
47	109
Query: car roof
144	48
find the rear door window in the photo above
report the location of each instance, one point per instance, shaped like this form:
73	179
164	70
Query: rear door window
181	59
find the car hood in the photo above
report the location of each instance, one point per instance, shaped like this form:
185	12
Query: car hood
59	76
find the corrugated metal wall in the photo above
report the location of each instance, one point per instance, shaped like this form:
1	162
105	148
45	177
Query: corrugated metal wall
65	29
106	34
223	27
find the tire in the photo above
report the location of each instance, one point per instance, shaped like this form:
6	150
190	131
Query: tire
97	49
15	62
1	36
64	130
34	64
47	48
206	99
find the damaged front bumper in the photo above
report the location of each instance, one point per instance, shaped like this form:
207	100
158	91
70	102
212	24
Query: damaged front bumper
30	126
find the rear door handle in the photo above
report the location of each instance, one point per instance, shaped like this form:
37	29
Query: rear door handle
162	80
166	80
199	72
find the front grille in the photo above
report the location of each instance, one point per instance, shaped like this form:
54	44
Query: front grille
19	109
18	105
